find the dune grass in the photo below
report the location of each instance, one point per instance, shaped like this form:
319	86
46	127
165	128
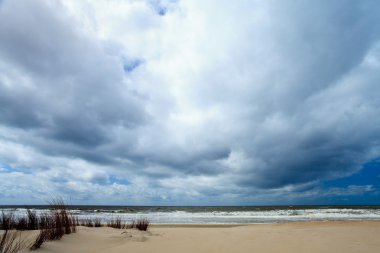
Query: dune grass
41	238
11	242
116	223
142	224
53	226
7	220
91	223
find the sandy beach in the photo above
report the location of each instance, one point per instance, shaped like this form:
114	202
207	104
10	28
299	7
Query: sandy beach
313	237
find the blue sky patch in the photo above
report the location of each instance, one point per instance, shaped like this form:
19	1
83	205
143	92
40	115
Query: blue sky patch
130	65
118	180
158	7
368	175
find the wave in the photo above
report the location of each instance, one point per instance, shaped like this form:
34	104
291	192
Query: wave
172	215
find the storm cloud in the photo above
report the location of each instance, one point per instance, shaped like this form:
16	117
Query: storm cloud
154	102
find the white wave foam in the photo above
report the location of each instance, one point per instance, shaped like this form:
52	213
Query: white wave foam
226	217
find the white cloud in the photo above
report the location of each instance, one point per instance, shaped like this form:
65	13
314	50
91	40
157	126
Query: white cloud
227	98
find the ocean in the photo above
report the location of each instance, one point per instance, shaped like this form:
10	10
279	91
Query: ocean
215	214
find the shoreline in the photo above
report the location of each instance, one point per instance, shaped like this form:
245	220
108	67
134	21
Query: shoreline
296	223
200	225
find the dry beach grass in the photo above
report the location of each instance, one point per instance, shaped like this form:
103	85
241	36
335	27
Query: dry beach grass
51	226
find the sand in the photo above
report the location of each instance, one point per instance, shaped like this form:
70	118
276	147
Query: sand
347	236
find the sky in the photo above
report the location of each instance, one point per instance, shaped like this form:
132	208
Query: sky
190	102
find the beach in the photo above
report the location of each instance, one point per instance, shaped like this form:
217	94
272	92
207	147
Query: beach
313	237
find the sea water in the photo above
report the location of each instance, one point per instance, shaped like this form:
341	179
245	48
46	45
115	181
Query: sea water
214	214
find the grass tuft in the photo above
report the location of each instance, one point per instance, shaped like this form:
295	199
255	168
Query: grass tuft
7	220
32	220
55	224
41	238
115	223
10	242
142	224
97	222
